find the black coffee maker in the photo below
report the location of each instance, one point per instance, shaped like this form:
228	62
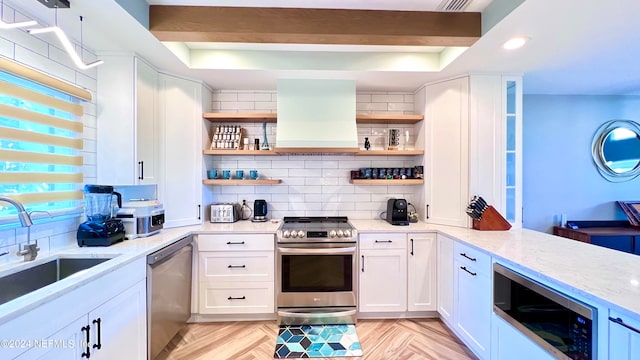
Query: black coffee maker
259	211
101	227
397	213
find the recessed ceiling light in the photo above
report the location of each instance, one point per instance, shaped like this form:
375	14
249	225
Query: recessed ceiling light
515	43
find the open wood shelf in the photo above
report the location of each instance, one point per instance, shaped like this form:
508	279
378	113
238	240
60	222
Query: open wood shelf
240	117
389	152
387	181
273	117
241	181
239	152
388	119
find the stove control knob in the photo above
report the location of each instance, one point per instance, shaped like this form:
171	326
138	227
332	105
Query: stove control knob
347	233
340	233
286	234
294	234
300	234
332	233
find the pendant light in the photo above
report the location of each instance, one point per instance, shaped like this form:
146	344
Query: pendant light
66	43
4	25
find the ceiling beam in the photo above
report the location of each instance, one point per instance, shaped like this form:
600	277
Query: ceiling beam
313	26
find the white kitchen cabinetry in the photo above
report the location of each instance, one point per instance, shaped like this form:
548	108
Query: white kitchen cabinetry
117	300
472	298
127	121
509	343
181	132
445	279
446	167
421	280
236	274
624	337
473	137
383	273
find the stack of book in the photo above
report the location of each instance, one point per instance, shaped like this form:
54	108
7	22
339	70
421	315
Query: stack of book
632	210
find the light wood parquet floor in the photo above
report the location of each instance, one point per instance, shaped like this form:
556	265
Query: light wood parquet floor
397	339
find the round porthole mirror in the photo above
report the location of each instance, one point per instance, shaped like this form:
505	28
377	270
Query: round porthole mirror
616	150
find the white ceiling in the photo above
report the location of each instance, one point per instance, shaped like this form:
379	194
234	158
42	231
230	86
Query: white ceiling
587	49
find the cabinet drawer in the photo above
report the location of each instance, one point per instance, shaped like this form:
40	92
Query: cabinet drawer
473	259
229	242
237	298
236	266
383	241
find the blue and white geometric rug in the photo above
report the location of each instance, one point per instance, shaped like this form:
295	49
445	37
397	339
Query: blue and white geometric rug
317	341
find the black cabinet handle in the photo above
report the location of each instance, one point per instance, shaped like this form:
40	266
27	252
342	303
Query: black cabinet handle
87	354
236	298
427	215
468	257
362	263
467	270
620	322
141	166
236	266
411	247
99	344
199	211
235	243
383	241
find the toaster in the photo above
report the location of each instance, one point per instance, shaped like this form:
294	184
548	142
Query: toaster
225	212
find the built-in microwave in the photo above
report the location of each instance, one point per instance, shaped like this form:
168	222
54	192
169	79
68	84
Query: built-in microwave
558	323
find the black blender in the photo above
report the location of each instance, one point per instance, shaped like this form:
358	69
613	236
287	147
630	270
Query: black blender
101	227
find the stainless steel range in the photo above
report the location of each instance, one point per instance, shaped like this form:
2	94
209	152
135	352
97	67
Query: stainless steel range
316	270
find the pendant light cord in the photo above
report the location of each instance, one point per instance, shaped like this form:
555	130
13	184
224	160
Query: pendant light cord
81	40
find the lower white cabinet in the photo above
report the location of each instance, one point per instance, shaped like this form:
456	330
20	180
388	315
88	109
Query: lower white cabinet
383	273
509	343
236	274
108	321
624	337
421	272
445	279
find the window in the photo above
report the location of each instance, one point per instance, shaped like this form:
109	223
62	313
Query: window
40	142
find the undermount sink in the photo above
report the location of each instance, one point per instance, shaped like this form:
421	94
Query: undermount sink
36	277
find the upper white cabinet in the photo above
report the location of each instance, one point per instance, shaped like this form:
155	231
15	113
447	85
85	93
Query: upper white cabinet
181	133
472	146
421	277
127	121
446	166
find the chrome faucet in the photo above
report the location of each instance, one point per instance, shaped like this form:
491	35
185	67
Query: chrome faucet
30	251
23	216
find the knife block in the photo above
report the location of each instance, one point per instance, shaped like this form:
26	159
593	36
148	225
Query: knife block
491	220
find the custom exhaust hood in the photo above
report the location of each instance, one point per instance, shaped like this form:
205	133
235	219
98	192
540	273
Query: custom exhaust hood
316	116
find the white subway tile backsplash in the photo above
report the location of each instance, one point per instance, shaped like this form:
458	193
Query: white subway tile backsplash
384	98
225	97
6	48
254	97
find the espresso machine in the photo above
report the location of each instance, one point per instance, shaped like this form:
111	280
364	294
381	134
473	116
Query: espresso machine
397	213
101	227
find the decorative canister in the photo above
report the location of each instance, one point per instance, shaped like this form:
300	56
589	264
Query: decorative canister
394	139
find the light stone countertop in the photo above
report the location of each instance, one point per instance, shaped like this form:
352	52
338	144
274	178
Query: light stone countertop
607	276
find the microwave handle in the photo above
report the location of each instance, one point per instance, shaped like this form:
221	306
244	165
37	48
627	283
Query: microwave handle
332	251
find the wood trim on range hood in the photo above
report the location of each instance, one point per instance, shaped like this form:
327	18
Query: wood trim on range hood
302	150
313	26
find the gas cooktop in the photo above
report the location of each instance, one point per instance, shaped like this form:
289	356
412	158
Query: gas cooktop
316	229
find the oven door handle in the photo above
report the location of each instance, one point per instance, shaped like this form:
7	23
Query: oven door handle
322	251
316	315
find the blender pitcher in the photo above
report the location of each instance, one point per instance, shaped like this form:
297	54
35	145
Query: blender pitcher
98	202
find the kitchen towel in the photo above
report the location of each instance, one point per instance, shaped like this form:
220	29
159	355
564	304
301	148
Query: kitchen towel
317	341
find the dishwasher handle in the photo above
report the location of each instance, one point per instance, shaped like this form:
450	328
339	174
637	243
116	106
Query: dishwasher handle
160	255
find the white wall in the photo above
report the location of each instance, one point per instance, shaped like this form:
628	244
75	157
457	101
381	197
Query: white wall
315	185
46	54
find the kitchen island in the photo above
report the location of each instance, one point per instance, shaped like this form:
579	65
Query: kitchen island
605	278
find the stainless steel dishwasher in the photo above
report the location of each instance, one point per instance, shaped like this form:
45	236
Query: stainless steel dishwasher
168	293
